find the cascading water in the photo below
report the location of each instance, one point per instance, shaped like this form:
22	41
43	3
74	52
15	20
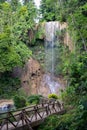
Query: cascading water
50	56
49	83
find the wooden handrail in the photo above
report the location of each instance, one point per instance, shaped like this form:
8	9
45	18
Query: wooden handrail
28	115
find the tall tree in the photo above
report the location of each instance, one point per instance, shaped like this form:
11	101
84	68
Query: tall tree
11	52
48	9
15	20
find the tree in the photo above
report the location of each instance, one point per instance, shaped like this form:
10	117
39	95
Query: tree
15	21
73	65
10	56
48	9
24	20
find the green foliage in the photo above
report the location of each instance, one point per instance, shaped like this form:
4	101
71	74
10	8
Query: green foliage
34	99
59	53
38	52
53	96
77	74
15	21
48	10
24	52
25	21
19	101
15	4
26	1
77	24
9	58
8	85
72	64
2	1
14	36
13	52
50	123
40	32
21	92
73	120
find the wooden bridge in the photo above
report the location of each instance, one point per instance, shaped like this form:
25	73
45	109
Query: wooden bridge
30	116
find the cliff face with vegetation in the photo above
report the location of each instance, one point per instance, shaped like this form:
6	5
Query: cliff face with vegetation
33	76
73	63
16	19
16	49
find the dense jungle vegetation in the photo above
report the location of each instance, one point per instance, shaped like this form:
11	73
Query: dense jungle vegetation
16	19
73	64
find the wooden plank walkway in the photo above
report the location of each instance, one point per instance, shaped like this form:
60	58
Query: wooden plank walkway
30	116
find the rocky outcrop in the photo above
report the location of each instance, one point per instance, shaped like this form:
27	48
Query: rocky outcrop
66	38
59	26
47	86
68	41
33	79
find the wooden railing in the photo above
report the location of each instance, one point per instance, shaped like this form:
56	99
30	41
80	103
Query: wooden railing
11	120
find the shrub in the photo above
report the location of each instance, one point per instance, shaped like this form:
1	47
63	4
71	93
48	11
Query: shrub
50	123
53	96
75	119
34	99
19	102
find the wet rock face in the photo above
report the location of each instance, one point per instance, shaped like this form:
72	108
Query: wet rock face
66	38
33	80
47	86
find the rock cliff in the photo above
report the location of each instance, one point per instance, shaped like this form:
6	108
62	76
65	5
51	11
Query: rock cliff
33	79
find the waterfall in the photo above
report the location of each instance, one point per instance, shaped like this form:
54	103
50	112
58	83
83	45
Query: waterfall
50	56
49	82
